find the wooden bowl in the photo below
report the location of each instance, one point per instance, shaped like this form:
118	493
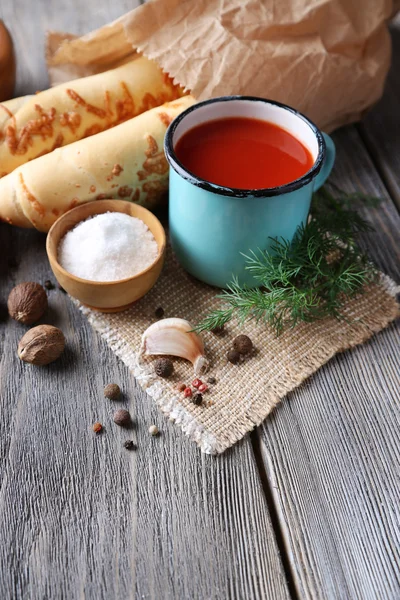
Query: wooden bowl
106	296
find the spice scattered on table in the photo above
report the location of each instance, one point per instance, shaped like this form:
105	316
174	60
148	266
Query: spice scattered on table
153	430
97	427
49	285
180	386
197	383
112	391
203	388
129	445
122	418
108	247
159	312
233	356
27	302
175	337
242	344
41	345
197	399
164	367
211	380
187	392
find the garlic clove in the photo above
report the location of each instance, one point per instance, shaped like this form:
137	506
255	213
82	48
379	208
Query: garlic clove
175	337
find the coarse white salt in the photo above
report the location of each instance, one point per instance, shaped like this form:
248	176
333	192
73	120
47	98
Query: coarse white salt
107	247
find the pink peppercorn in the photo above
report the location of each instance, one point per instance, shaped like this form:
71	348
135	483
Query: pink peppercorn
197	383
187	392
203	387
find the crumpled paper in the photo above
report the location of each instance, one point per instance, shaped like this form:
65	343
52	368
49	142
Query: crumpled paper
327	58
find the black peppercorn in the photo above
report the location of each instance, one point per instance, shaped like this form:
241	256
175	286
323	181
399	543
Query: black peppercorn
197	399
243	344
112	391
233	356
159	312
122	418
211	380
163	367
49	285
129	445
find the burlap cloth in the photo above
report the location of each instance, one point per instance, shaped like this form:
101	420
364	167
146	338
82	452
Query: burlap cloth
244	394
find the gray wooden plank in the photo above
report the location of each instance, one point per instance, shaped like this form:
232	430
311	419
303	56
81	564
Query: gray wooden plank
79	515
380	128
331	451
28	23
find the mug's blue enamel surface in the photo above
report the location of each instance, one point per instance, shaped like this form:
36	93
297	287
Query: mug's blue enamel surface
211	227
209	232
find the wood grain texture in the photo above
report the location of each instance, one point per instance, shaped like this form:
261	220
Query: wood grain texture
80	516
28	22
331	451
380	129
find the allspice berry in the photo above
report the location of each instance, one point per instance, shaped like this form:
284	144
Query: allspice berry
97	427
112	391
27	302
122	418
41	345
233	356
243	344
164	367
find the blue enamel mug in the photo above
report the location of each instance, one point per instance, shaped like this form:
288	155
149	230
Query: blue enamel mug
212	226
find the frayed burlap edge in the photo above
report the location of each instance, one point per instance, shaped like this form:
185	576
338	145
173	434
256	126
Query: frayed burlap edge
171	405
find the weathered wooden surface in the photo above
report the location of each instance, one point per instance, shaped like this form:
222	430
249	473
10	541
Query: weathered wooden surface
82	517
331	451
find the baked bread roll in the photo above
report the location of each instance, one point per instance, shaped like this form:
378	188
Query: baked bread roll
126	162
9	108
81	108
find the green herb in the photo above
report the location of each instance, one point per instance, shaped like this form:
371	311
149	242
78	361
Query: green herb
306	279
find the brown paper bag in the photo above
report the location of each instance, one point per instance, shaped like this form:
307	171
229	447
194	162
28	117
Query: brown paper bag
328	58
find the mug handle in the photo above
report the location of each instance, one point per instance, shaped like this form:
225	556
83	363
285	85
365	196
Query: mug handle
328	163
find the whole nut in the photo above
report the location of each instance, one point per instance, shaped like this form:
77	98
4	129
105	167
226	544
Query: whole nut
242	344
164	367
41	345
233	356
122	418
27	302
112	391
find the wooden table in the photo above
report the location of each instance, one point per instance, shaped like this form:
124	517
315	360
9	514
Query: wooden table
307	506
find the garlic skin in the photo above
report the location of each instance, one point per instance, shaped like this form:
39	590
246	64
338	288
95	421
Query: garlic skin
175	337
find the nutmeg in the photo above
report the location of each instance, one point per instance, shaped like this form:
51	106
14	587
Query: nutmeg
41	345
27	302
7	64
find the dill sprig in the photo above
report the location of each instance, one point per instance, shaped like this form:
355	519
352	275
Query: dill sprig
308	278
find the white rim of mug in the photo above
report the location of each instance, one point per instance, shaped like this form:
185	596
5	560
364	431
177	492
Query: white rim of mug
180	168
